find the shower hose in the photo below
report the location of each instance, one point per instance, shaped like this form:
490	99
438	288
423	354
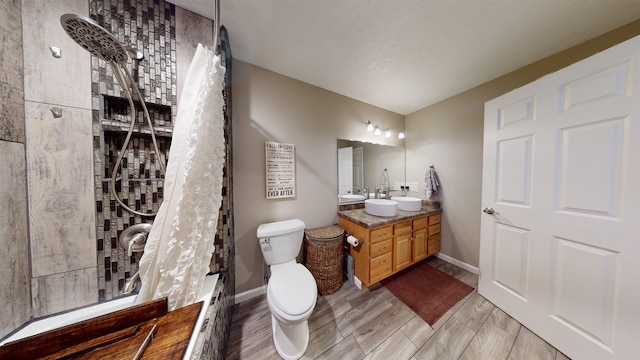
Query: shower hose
120	73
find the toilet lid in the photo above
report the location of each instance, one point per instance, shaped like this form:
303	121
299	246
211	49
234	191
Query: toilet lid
293	289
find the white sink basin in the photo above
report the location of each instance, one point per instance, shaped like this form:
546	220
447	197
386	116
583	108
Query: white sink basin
351	197
381	207
407	203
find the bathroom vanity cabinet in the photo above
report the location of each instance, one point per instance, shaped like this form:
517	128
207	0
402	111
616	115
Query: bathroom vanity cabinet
390	245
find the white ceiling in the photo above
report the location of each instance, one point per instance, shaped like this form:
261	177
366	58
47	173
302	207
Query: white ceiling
404	55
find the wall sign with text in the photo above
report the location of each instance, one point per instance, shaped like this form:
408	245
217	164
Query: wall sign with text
280	162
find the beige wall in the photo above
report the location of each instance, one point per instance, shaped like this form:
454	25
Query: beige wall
271	107
449	136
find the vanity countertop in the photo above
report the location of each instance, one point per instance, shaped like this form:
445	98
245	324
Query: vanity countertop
360	217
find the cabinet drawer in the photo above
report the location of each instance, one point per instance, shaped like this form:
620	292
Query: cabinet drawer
402	228
434	219
420	223
380	248
380	234
434	229
380	267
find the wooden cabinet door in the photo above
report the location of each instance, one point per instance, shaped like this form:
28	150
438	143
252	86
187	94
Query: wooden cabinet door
419	245
433	244
401	251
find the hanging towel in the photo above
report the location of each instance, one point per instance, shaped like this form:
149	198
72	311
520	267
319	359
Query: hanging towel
180	244
384	182
431	183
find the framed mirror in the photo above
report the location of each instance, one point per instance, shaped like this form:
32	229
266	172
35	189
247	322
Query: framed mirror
367	170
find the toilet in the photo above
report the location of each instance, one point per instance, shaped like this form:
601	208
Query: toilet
291	290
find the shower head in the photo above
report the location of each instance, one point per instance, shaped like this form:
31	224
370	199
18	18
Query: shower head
94	38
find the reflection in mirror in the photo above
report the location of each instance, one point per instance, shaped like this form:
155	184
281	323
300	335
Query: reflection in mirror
366	169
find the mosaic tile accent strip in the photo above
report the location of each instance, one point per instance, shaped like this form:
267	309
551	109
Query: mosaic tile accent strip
149	26
214	336
224	239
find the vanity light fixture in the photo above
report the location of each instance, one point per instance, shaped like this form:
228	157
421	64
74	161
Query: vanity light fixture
369	125
377	131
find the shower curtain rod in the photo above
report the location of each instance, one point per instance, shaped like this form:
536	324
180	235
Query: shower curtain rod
216	25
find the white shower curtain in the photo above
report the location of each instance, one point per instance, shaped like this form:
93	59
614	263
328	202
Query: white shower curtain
179	246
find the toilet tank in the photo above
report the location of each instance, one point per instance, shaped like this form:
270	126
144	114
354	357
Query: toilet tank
280	241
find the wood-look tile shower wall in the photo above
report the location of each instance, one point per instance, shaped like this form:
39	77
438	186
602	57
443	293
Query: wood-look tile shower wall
14	242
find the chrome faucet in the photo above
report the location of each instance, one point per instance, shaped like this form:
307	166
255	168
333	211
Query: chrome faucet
377	193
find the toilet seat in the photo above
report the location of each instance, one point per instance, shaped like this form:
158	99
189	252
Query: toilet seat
292	289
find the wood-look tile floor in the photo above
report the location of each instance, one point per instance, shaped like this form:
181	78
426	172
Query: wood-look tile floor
373	324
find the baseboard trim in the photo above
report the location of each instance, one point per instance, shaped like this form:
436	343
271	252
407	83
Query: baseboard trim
458	263
357	282
250	294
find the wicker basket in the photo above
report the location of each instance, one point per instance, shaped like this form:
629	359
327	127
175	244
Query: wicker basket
323	257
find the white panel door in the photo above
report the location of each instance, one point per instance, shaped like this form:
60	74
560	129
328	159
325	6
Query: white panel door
345	170
560	236
358	169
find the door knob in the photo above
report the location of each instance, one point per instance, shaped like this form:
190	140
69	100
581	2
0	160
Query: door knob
490	211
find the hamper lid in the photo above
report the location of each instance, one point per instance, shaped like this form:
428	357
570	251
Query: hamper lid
327	232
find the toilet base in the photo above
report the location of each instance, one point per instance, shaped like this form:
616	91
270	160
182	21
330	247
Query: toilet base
291	341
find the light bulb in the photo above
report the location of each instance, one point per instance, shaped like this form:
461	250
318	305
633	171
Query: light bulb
369	126
387	133
377	131
400	135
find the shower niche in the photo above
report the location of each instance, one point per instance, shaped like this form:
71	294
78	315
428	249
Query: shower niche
139	179
115	116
